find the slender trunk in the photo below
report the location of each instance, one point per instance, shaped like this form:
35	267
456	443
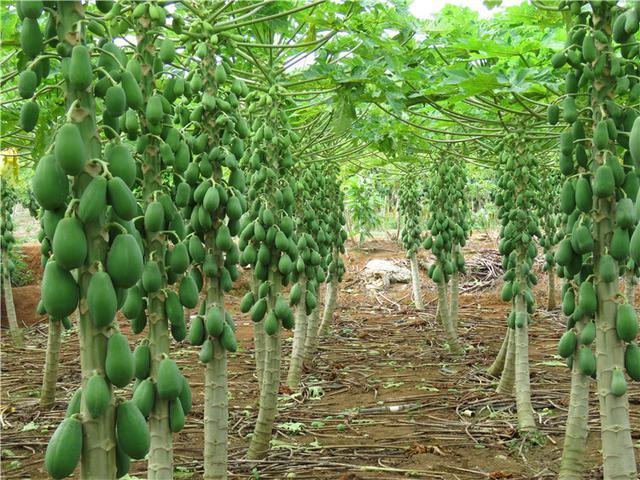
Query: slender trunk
311	342
50	377
329	304
443	308
415	282
160	460
299	338
259	445
551	289
216	401
14	329
258	339
454	300
526	422
630	287
508	377
617	446
498	364
572	465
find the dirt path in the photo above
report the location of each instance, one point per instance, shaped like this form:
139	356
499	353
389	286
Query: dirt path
381	353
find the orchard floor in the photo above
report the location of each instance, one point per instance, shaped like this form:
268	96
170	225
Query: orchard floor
381	352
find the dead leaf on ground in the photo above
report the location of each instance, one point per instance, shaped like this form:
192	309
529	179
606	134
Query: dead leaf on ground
419	448
500	474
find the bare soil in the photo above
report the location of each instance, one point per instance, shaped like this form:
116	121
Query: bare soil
381	352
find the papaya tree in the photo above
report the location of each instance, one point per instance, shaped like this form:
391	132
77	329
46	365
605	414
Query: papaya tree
268	243
7	267
448	229
549	215
216	216
93	258
410	209
310	266
138	108
598	155
518	202
337	237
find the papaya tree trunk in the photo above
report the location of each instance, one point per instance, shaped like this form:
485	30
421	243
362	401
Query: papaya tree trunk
415	282
330	302
216	400
258	339
508	377
50	377
311	342
551	289
299	338
14	330
98	459
160	460
498	364
259	445
443	308
454	299
630	287
572	465
617	446
526	422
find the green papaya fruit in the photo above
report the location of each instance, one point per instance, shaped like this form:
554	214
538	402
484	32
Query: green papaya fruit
608	270
206	352
132	90
121	199
188	292
80	72
31	38
73	407
626	322
604	183
60	293
228	339
176	415
50	184
620	244
142	361
123	461
586	361
197	331
124	261
115	100
102	301
119	364
587	298
144	396
27	84
271	324
259	310
185	396
632	361
625	213
132	432
151	277
121	164
584	195
134	303
93	201
64	448
618	383
215	321
69	244
168	380
588	333
97	395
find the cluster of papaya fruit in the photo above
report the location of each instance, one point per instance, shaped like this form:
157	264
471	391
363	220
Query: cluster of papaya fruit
7	239
216	196
518	204
267	237
335	221
410	213
314	237
549	215
601	172
448	225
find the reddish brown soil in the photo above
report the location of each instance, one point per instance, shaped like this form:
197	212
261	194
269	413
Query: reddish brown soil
380	352
26	298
